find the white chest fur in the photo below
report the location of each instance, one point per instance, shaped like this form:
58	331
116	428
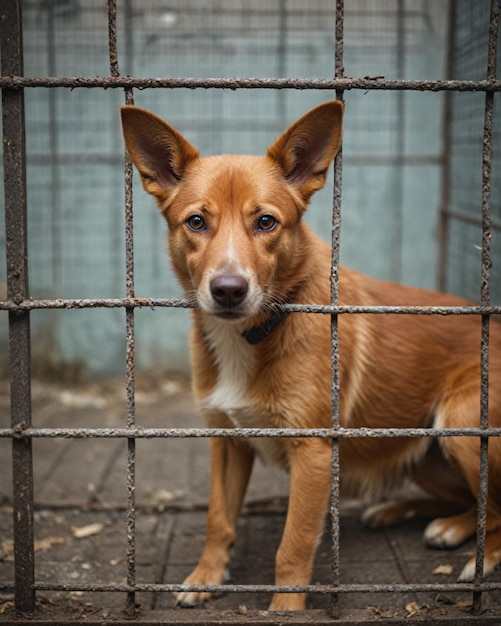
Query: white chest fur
235	363
235	359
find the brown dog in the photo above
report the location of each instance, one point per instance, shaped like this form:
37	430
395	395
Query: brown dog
240	249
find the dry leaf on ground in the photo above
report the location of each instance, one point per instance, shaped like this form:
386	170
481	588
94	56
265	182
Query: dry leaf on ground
443	570
412	608
81	532
6	605
48	542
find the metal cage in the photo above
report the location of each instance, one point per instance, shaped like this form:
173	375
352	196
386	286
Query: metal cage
457	220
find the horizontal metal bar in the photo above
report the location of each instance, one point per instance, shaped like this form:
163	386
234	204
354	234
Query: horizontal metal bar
100	158
471	218
384	159
341	588
183	433
92	303
113	303
365	83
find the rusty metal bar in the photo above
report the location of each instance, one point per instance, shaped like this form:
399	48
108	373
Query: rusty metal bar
19	306
19	431
14	155
152	303
231	588
130	391
112	38
483	493
130	332
335	495
244	126
343	84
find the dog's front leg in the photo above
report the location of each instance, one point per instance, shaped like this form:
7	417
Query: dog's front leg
231	465
310	470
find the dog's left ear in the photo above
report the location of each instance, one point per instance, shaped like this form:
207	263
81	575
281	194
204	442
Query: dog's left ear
306	149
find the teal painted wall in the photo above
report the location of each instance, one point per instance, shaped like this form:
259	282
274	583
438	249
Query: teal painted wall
392	148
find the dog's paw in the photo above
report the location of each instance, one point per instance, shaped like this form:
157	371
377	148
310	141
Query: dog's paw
492	557
446	533
468	573
288	602
191	599
386	514
440	534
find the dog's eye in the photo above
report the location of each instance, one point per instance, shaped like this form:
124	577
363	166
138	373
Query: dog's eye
196	223
266	223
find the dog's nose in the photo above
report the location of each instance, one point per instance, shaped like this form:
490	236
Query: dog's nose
229	291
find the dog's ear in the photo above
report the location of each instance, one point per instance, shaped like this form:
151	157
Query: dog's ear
159	152
306	149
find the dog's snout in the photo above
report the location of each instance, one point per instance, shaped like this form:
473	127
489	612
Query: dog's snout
229	291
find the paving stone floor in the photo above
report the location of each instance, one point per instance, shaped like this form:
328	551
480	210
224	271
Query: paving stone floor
81	534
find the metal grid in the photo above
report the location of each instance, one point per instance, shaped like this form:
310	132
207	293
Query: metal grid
468	58
74	147
19	304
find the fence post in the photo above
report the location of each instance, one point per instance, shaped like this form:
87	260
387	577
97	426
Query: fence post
14	155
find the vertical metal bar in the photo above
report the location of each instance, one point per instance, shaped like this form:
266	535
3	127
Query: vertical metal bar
336	232
395	269
130	331
14	153
112	37
128	38
445	192
483	493
55	169
282	59
130	382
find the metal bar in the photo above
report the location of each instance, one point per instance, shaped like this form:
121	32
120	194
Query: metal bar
243	126
397	221
334	278
131	403
19	306
483	494
365	83
284	12
445	183
130	335
325	309
54	172
231	588
128	55
112	38
14	153
20	431
470	218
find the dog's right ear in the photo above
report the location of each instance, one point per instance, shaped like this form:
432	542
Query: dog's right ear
159	152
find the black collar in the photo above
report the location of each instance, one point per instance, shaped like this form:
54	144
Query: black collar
258	333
